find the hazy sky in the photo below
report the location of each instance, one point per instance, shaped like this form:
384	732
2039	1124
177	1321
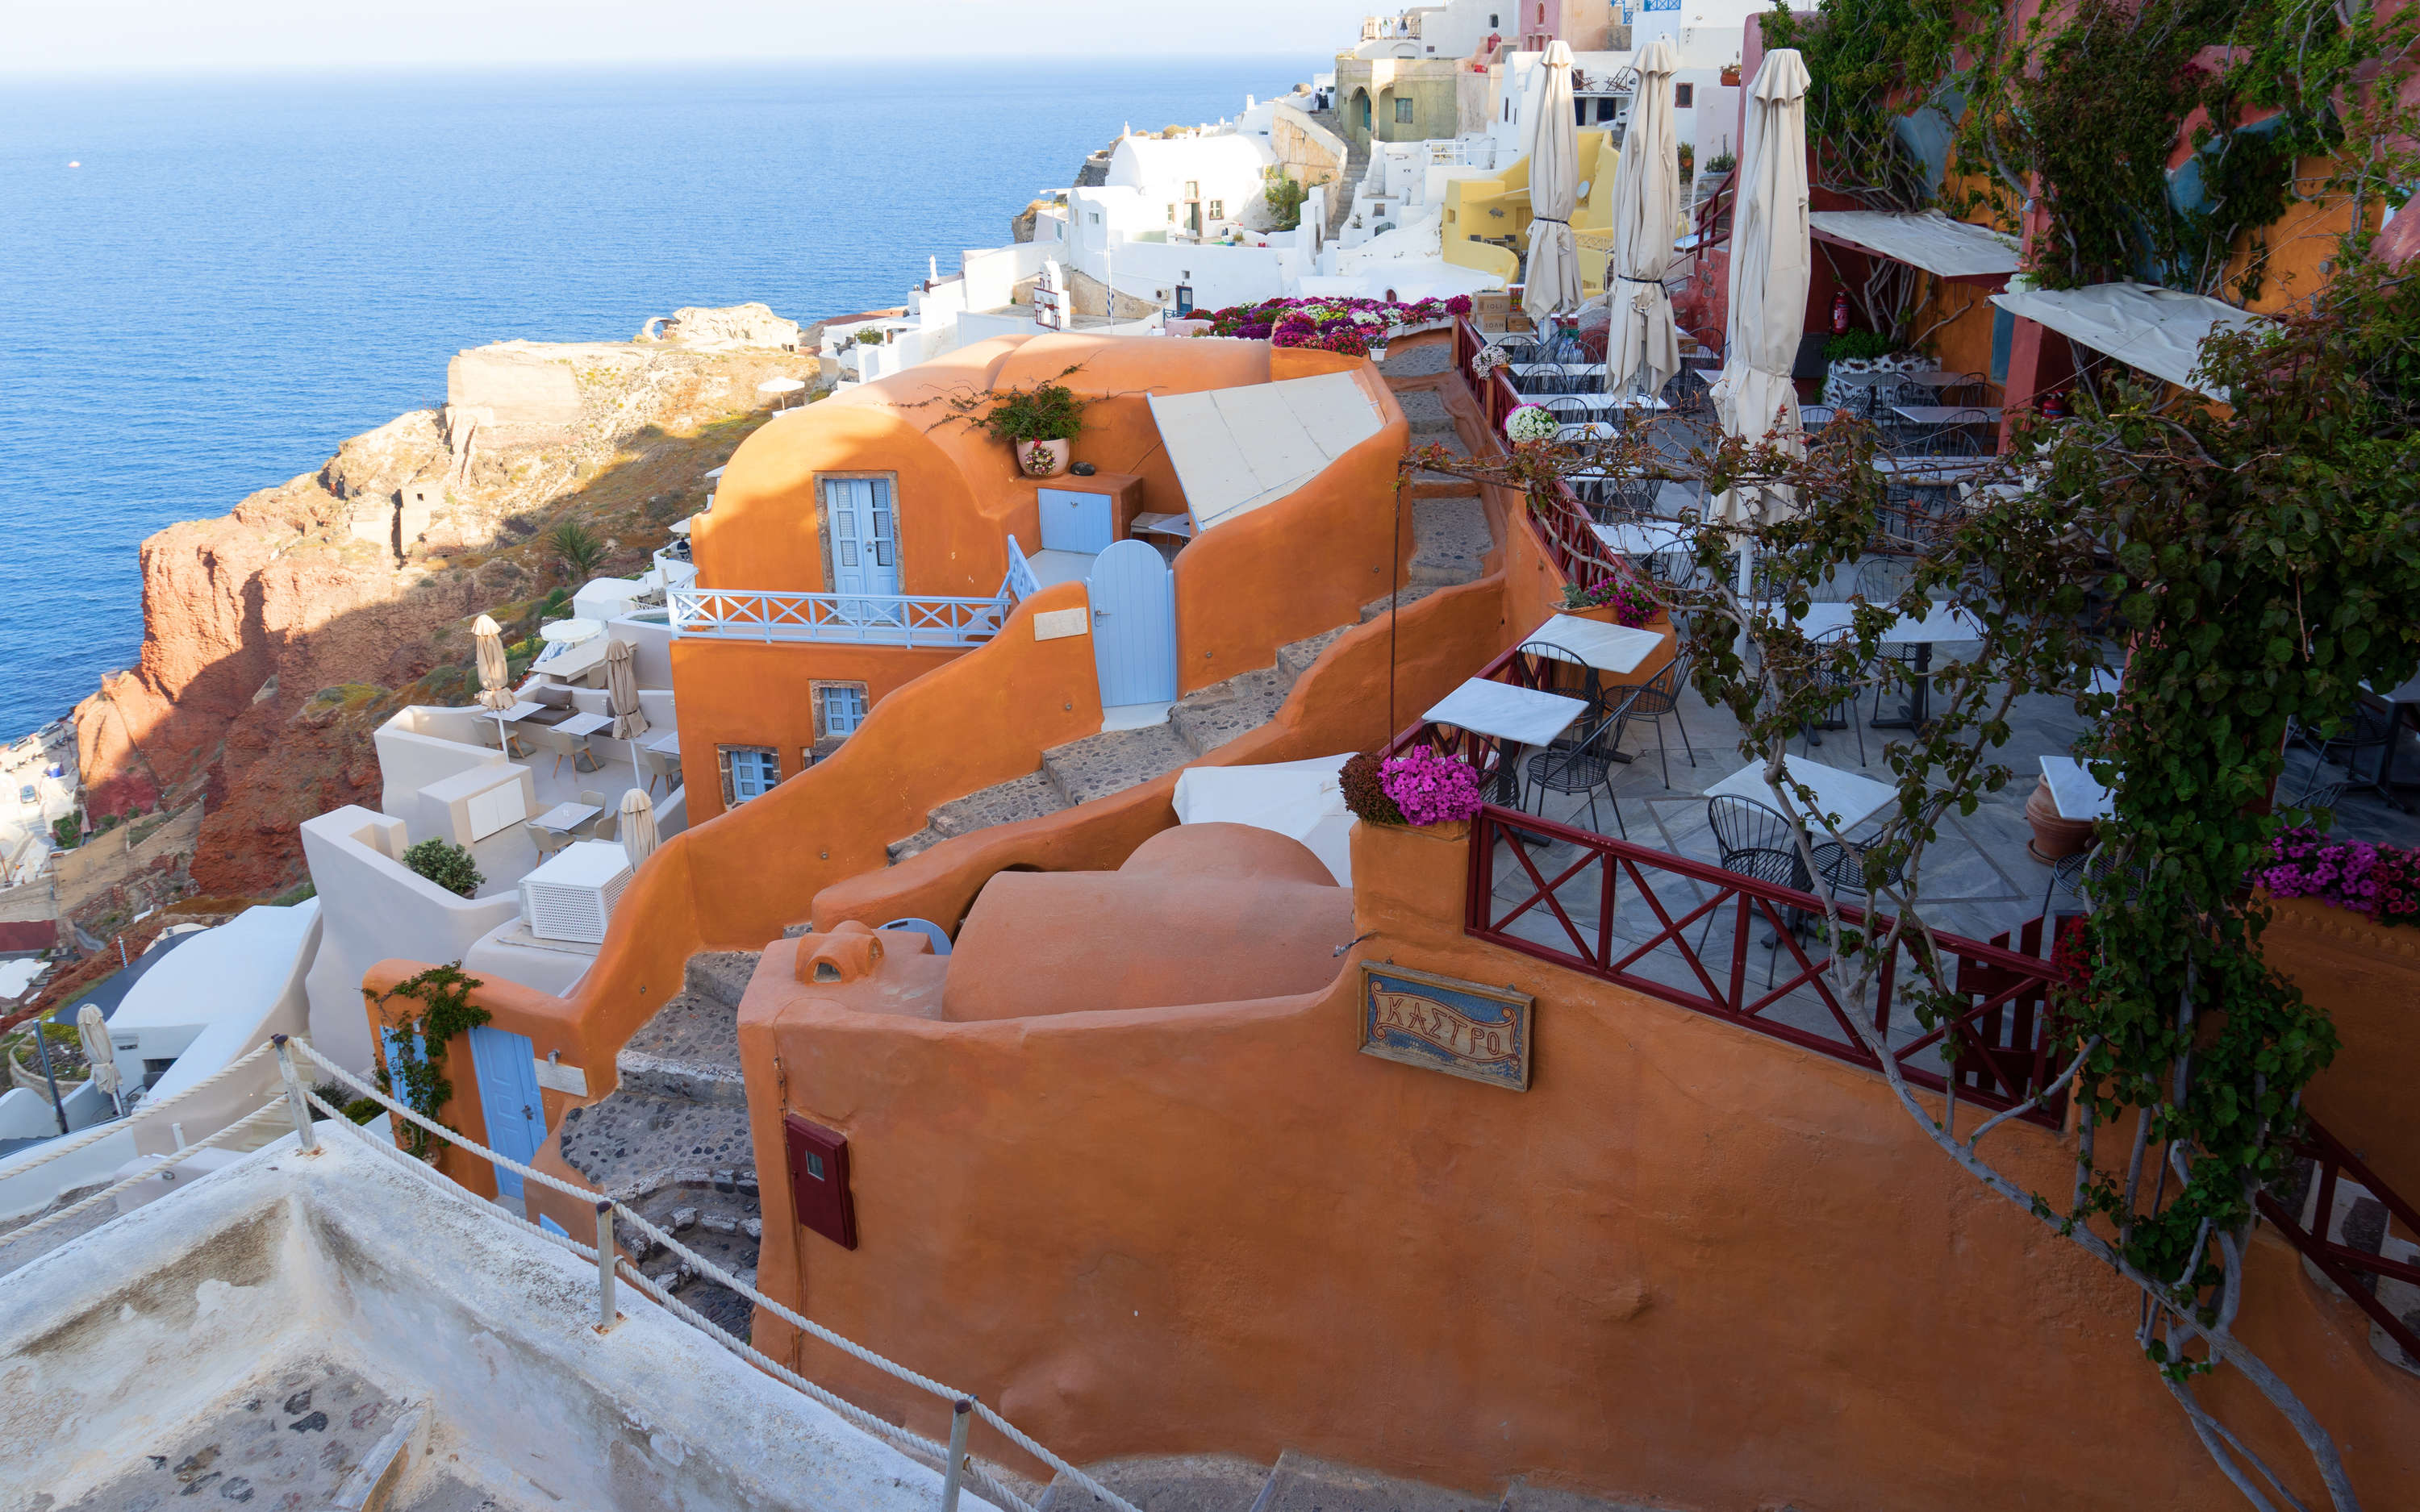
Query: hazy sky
79	36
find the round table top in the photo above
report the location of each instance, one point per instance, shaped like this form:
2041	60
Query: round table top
781	385
570	631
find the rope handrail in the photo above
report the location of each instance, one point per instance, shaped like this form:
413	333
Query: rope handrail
69	1143
703	1266
159	1164
908	1439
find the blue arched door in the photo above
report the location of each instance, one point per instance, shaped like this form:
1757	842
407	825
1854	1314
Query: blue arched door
1134	624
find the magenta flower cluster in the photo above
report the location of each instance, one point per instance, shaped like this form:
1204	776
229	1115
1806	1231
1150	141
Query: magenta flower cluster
2382	881
1350	326
1431	788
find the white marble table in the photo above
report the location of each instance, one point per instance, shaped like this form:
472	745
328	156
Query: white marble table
2074	791
1941	622
1642	538
1845	797
585	724
667	744
1525	716
566	816
1929	469
1943	415
523	710
1608	648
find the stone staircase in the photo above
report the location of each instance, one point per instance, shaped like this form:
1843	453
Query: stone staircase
1296	1483
671	1140
1451	541
1356	163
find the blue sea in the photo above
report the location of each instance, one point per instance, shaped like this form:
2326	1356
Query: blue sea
244	272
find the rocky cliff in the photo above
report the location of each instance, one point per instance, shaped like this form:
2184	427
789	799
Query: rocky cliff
277	637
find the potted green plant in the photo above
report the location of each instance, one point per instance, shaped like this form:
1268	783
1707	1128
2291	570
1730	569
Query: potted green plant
1039	423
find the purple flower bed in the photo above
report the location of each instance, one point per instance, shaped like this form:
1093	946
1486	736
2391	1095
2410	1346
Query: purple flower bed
1430	788
2382	881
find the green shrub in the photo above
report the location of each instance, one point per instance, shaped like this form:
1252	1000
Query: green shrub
446	864
1284	197
1045	412
68	831
577	547
1867	345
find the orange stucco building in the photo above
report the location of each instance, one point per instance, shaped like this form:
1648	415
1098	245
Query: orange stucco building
1116	1162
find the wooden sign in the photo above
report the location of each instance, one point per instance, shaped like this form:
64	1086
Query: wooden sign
1459	1027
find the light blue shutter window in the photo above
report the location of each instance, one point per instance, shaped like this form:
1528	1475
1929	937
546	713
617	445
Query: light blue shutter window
753	772
844	710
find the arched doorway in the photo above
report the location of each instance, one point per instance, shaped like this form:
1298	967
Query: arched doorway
1358	110
1385	116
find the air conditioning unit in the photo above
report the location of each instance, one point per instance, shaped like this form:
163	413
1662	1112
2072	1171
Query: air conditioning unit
572	896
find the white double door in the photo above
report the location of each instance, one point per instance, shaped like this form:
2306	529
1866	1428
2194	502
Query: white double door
863	521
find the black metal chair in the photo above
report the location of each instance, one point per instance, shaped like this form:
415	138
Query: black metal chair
1584	767
1882	581
1757	841
1843	684
1656	698
2087	869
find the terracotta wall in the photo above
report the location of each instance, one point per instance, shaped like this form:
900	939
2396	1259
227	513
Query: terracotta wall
2367	978
753	693
1689	1265
1342	704
551	1025
959	493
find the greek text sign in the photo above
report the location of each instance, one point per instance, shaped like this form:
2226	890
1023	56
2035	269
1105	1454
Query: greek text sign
1459	1027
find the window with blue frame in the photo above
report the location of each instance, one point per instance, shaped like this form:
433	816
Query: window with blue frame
748	772
839	708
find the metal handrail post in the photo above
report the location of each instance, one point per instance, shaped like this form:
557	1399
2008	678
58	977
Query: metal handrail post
961	1414
606	1318
295	1102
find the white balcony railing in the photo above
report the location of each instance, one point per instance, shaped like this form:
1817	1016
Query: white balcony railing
869	619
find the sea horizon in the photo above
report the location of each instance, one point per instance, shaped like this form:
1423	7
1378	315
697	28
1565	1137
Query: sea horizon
237	278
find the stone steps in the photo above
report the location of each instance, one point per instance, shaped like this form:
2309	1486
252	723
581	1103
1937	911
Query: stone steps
1296	1483
671	1140
1451	537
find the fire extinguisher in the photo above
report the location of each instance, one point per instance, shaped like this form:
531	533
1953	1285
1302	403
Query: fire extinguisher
1839	315
2054	404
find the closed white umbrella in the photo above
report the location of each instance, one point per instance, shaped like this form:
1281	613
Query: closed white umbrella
1646	205
1553	280
488	637
638	825
1769	270
99	1053
622	692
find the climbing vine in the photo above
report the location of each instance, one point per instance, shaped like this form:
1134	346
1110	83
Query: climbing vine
2249	563
2160	140
413	1072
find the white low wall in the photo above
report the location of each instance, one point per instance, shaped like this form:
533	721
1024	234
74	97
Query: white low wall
25	1187
282	1262
371	907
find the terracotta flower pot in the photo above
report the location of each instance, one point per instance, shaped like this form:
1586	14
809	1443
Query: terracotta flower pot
2055	838
1452	832
1043	459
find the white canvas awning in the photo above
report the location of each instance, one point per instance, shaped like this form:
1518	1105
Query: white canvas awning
1924	238
1303	800
1237	449
2158	329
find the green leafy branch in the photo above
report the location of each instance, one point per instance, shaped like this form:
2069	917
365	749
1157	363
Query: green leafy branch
413	1072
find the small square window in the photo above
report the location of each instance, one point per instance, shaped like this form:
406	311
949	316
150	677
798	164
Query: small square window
839	708
1097	217
1402	113
748	772
1684	97
1218	209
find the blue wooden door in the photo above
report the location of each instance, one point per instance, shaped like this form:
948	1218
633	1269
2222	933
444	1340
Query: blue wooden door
506	1067
864	532
1134	624
1073	520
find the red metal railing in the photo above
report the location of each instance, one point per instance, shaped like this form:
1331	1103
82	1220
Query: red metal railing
2000	1045
2355	1272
